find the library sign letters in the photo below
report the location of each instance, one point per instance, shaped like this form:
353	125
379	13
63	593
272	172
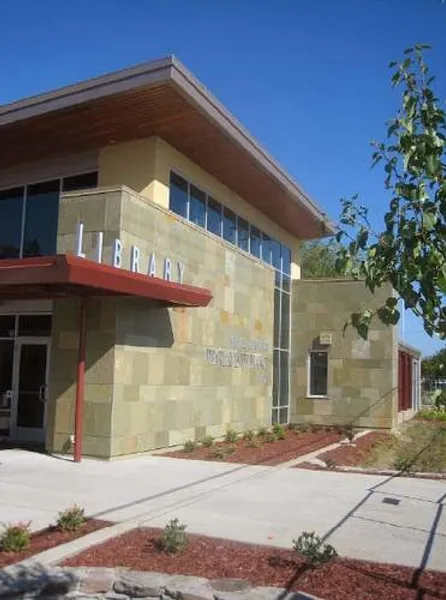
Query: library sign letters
152	265
244	354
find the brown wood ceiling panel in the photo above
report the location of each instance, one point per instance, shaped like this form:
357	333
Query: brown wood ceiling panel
155	111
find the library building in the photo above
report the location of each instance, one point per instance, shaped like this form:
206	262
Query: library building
150	282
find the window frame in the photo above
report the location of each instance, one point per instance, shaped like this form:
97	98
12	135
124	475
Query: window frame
309	382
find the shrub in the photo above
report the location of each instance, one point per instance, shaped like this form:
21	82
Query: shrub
249	435
220	453
231	436
189	446
270	437
71	519
440	400
330	463
262	432
403	464
254	443
348	432
16	537
279	431
174	537
207	441
310	545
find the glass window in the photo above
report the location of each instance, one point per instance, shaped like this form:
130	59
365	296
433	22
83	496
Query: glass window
286	283
243	234
7	326
80	182
318	384
39	325
214	217
276	378
275	254
276	339
229	226
283	415
41	217
286	260
266	248
255	241
197	206
284	359
11	210
178	199
285	322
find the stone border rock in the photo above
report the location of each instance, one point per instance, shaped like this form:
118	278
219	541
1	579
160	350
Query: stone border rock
36	582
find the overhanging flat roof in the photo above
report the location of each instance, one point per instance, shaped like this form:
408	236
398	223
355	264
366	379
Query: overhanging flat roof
66	276
164	99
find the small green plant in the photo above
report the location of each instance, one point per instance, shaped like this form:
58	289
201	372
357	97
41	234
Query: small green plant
71	519
349	432
254	443
403	464
16	537
220	452
249	435
262	432
270	437
279	431
174	537
231	436
330	463
310	545
189	446
302	427
207	441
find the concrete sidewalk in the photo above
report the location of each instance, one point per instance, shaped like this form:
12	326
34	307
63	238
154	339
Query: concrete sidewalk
264	505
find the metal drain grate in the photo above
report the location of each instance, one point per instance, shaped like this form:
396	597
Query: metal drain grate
393	501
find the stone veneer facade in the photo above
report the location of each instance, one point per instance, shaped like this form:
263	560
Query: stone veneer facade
149	383
362	375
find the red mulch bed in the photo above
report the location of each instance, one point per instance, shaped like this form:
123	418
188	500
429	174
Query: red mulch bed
354	455
49	538
294	445
341	579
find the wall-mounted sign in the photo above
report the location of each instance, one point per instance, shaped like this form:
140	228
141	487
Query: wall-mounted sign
150	266
325	338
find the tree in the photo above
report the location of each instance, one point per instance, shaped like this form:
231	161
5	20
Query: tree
434	367
410	251
319	260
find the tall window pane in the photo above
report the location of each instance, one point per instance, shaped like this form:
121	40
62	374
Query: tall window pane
285	321
266	248
229	226
42	213
214	217
318	384
11	209
197	206
178	195
254	241
276	254
243	234
286	260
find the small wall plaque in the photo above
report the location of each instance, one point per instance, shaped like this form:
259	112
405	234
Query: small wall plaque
325	338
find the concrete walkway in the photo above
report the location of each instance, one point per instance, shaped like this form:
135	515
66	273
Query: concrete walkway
380	518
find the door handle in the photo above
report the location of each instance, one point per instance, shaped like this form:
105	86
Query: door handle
43	393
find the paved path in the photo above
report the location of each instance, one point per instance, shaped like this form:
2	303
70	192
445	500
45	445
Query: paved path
247	503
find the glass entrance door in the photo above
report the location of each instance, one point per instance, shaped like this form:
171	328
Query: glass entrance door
30	389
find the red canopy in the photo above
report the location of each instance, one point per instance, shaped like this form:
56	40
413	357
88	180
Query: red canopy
65	276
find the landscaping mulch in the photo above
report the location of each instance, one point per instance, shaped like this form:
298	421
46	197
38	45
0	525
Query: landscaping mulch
356	453
340	579
49	538
294	445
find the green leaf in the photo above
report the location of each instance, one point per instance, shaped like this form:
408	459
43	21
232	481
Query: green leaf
429	220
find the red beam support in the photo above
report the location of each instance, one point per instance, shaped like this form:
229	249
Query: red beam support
80	383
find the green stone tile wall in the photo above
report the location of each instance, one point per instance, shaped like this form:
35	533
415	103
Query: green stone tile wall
362	375
151	376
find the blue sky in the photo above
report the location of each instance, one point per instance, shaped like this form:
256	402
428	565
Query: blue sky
309	78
